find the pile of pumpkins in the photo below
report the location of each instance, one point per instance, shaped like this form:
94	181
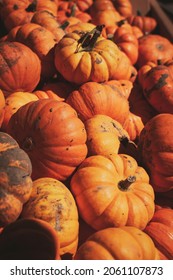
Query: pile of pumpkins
86	139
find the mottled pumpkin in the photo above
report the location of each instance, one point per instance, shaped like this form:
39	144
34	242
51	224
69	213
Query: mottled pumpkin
52	135
122	243
113	192
53	202
15	179
156	150
20	68
85	57
160	229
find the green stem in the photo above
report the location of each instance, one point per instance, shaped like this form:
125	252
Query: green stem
125	184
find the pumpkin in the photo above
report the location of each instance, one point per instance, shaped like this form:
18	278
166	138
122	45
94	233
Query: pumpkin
122	243
156	147
83	5
52	135
60	88
133	126
95	98
157	85
20	66
29	239
124	7
112	192
53	202
90	57
17	99
160	229
17	12
126	40
15	179
104	135
125	86
41	41
161	49
147	24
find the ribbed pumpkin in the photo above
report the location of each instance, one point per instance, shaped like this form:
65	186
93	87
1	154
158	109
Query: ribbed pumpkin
15	179
160	229
157	85
145	23
123	243
52	135
29	239
81	58
113	192
156	149
53	202
95	98
20	68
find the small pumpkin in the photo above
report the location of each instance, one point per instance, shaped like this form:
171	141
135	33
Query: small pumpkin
29	239
52	201
157	86
15	179
124	7
156	151
122	243
160	229
20	66
112	192
53	136
90	57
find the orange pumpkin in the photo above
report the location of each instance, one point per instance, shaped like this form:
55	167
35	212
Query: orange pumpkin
145	23
81	58
52	135
156	147
2	104
113	192
15	179
52	201
95	98
122	243
20	66
160	229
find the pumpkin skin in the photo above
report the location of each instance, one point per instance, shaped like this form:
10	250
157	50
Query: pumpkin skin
52	135
20	66
145	23
105	196
2	104
34	239
53	202
83	62
124	7
104	135
123	243
95	98
17	12
161	49
160	229
156	151
133	126
157	85
15	179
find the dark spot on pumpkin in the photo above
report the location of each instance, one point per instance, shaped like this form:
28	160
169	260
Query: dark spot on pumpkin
67	149
160	47
15	7
98	60
71	140
51	110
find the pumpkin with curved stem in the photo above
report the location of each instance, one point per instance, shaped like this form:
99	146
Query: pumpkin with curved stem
122	243
90	57
157	85
156	151
20	66
160	229
95	98
52	135
113	192
15	179
53	202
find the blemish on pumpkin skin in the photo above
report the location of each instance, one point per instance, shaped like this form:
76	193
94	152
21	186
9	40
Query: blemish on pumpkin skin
98	60
51	110
15	7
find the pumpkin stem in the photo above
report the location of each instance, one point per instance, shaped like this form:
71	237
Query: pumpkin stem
88	40
73	11
64	25
121	22
159	62
123	185
32	7
28	144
